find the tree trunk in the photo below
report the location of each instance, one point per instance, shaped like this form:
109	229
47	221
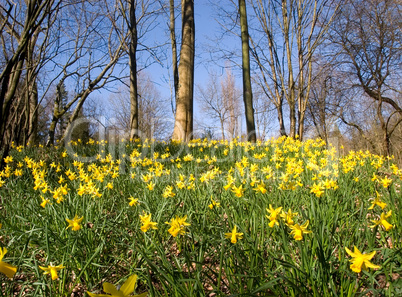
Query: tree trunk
51	133
222	127
184	102
134	133
247	92
9	84
385	147
290	94
282	128
33	115
292	119
32	93
56	115
172	28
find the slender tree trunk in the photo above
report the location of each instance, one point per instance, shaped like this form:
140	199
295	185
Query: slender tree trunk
75	114
290	97
282	129
134	133
300	54
52	129
32	93
292	118
172	28
232	117
385	147
305	74
33	115
56	115
184	101
247	92
222	127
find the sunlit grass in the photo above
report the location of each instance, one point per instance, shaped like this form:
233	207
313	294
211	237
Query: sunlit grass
210	217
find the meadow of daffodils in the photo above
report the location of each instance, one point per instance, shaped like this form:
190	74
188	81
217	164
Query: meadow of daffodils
208	218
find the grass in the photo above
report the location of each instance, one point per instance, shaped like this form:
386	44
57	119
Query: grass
217	185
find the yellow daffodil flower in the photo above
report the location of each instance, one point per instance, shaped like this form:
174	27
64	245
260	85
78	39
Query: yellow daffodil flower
61	179
5	268
274	214
260	188
317	189
234	235
377	201
147	178
180	184
177	226
150	186
147	223
44	201
386	182
52	270
360	261
383	221
298	231
238	190
168	192
374	178
133	201
227	186
214	204
126	289
75	223
8	159
288	216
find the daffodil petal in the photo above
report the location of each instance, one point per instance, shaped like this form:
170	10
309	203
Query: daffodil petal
370	256
97	295
356	267
350	252
110	288
129	285
45	269
53	273
371	265
305	225
2	253
7	269
356	251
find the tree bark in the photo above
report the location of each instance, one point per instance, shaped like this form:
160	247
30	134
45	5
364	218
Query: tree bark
247	91
31	93
184	101
172	28
134	133
56	115
33	115
290	94
282	129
